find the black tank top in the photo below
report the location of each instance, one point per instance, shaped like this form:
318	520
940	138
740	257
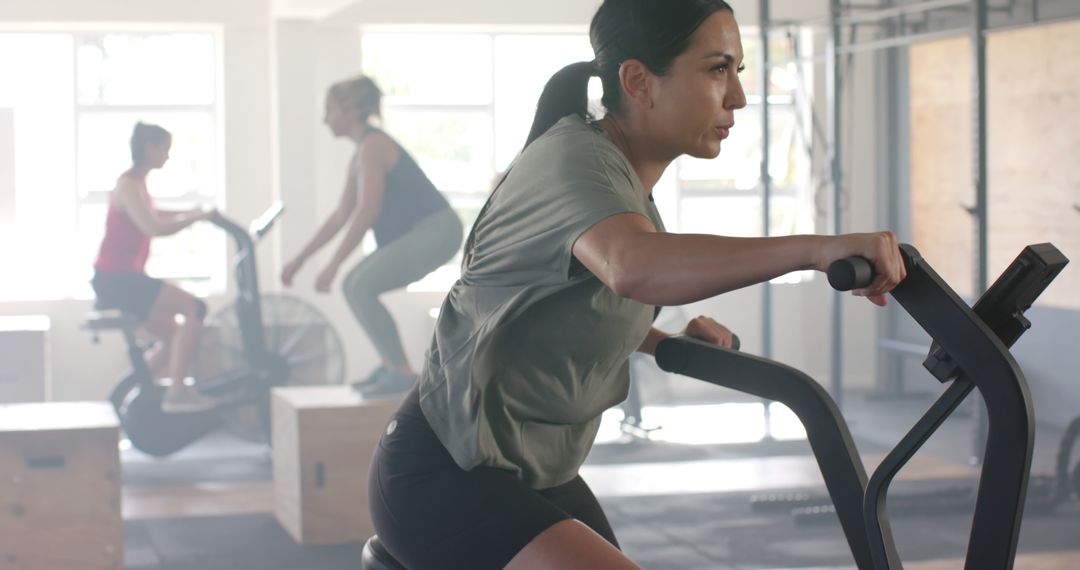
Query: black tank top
408	199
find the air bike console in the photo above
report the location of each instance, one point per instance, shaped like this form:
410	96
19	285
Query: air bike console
970	350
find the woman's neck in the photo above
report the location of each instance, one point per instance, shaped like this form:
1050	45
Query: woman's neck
631	142
139	172
359	131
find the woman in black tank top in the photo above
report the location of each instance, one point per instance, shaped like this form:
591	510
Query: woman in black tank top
415	229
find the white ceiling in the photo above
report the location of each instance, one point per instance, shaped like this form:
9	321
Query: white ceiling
511	12
309	9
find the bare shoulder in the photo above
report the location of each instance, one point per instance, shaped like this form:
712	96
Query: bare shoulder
379	151
127	185
129	191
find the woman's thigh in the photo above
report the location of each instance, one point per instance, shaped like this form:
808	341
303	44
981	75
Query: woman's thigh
576	499
408	258
133	293
430	513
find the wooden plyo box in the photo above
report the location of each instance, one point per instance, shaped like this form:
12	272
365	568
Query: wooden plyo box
323	440
60	487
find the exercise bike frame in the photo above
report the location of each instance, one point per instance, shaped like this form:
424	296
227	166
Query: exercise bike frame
263	367
970	351
137	398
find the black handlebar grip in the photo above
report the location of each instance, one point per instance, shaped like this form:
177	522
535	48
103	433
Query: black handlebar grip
735	342
850	273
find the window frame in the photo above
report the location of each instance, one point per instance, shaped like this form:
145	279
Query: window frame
212	280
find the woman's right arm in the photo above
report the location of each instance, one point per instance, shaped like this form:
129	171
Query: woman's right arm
633	259
327	231
149	222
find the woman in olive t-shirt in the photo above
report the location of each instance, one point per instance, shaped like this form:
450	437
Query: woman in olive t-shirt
562	273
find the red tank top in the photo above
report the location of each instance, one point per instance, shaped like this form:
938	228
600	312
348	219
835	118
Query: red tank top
125	247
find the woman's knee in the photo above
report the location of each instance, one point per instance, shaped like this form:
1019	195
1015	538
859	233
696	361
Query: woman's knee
196	313
449	242
193	310
570	545
176	301
359	291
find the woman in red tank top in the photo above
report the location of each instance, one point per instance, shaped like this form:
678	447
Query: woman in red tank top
120	281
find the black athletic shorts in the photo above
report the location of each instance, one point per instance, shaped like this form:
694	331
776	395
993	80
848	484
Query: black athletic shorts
129	292
431	514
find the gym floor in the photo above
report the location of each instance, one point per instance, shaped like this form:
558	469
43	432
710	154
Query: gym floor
673	505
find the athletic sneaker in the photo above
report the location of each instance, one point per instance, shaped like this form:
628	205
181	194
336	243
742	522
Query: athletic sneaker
372	379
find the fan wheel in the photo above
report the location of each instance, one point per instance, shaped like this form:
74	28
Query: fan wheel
303	346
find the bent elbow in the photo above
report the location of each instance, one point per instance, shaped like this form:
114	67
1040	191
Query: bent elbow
620	287
625	281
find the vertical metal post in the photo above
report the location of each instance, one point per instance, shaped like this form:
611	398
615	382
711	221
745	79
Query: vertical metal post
890	363
980	179
979	156
833	97
764	65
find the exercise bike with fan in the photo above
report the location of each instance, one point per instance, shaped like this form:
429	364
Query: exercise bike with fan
256	342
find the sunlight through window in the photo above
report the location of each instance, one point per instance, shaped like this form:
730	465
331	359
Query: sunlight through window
73	99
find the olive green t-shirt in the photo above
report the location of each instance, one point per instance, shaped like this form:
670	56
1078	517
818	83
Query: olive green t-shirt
530	347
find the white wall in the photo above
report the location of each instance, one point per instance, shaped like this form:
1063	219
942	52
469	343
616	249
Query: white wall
79	369
501	12
523	12
276	74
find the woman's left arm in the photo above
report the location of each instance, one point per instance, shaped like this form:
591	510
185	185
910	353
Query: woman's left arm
648	346
375	160
703	328
175	214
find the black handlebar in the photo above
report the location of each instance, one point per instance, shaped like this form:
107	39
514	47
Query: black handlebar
263	223
970	351
850	273
246	237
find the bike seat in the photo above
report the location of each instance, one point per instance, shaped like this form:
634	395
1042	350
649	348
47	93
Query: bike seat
376	557
110	320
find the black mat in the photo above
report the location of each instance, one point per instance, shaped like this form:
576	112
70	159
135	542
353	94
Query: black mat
240	542
711	531
722	531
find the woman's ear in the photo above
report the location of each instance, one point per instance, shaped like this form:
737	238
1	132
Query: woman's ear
636	82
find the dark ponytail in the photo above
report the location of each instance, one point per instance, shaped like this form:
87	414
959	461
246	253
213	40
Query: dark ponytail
143	135
654	32
566	93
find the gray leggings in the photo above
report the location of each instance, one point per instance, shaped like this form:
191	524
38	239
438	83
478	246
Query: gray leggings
407	259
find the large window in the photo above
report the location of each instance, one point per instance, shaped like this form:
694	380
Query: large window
725	195
72	100
465	123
